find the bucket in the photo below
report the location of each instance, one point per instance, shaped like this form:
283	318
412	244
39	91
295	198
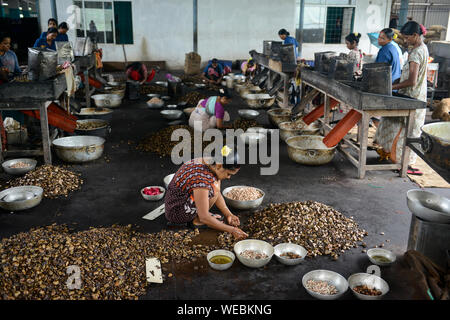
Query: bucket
230	82
174	89
431	239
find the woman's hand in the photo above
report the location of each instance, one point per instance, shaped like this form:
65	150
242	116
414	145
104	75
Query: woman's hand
238	234
233	220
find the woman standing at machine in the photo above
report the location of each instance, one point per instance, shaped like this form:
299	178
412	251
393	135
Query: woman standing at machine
195	189
388	52
9	65
211	112
287	39
413	83
352	42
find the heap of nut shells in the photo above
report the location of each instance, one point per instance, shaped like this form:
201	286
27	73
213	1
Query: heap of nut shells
160	142
319	228
55	180
111	261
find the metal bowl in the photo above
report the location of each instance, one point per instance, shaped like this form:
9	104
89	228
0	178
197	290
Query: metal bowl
107	100
114	84
381	252
258	100
161	83
220	267
168	179
188	111
155	105
182	103
165	98
153	95
277	116
172	106
290	247
171	114
19	171
309	150
369	280
286	132
332	278
94	113
257	245
79	149
21	198
102	128
242	205
252	137
248	114
153	198
258	130
428	206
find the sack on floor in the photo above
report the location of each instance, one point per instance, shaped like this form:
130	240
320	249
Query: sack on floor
192	63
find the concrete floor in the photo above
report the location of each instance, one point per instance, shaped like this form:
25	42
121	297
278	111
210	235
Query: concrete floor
110	195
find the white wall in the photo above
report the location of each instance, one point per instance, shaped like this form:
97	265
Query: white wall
163	30
230	29
370	16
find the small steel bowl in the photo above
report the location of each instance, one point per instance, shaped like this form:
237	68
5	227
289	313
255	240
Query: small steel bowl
257	245
114	83
290	247
242	205
165	98
381	252
182	103
21	198
248	114
188	111
172	106
155	105
220	267
332	278
153	198
162	83
171	114
153	95
258	130
168	179
370	280
252	138
19	171
428	206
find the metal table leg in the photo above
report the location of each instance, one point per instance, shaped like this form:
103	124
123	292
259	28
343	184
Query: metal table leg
45	134
363	137
406	149
87	89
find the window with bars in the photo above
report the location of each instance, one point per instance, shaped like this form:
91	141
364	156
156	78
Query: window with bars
105	21
328	21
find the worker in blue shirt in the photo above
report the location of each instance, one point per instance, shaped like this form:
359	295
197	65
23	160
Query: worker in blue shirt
389	53
287	39
62	32
52	23
49	41
213	72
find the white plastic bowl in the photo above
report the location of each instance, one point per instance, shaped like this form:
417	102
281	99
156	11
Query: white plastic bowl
153	198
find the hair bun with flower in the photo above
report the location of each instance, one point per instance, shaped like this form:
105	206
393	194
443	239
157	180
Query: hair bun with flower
395	36
226	151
